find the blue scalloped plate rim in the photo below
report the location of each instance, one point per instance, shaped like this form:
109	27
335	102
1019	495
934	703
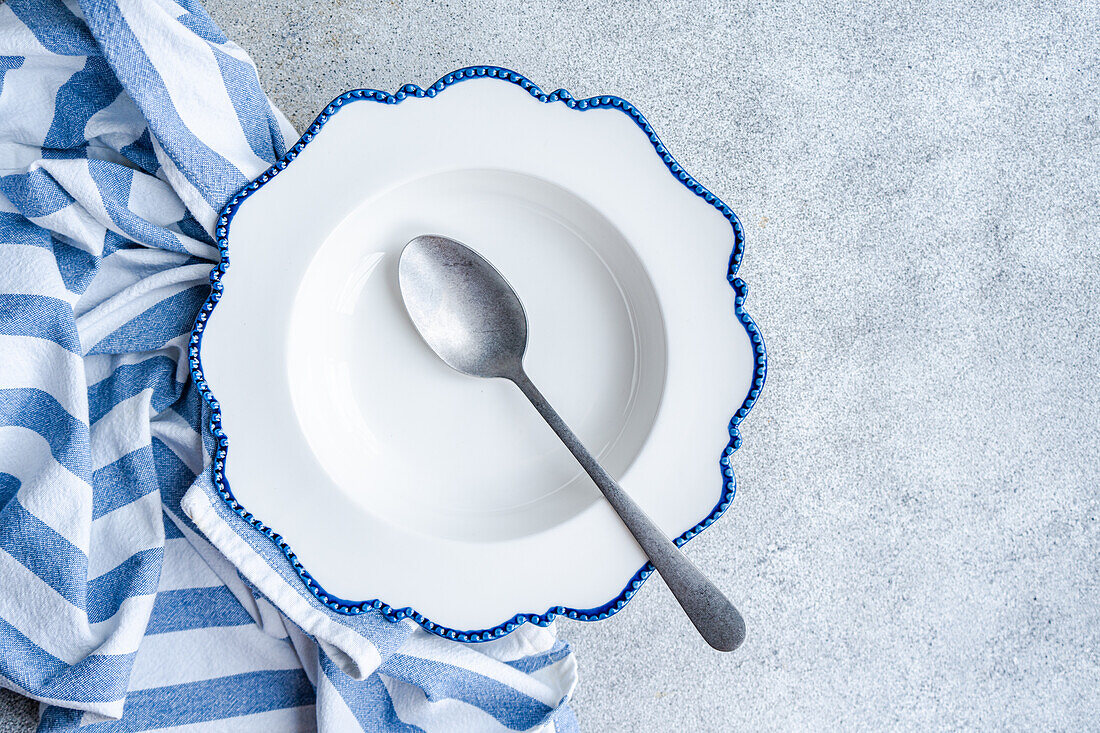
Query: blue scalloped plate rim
729	484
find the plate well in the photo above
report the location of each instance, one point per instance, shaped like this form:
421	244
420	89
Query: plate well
437	452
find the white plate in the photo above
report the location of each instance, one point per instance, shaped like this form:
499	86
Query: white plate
401	484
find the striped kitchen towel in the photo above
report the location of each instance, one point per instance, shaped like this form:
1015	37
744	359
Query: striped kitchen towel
131	598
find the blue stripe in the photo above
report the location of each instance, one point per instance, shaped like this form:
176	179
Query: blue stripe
39	316
55	27
159	324
173	477
198	22
565	721
56	719
260	130
171	531
440	681
220	179
46	553
196	608
221	698
114	182
7	63
86	92
138	575
112	242
76	266
9	485
368	700
119	483
535	662
15	229
36	410
189	407
35	193
64	153
157	373
193	229
96	678
140	152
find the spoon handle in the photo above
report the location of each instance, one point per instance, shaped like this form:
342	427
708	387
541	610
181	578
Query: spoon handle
711	612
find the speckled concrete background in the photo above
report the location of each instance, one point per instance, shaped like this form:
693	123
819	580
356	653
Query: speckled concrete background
916	537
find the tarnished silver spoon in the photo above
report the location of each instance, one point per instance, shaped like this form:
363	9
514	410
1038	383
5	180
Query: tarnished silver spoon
473	319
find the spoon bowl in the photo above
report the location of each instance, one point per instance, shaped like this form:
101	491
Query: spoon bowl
463	307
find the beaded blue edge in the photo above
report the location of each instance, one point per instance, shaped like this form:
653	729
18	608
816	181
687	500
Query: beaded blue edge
729	484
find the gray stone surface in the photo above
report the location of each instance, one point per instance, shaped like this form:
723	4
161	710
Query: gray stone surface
915	539
17	714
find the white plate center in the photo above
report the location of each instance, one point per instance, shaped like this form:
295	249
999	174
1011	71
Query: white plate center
429	449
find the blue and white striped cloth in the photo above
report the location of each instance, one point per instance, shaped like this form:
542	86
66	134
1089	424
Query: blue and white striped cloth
130	597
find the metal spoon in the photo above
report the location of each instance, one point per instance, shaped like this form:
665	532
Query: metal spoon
472	318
